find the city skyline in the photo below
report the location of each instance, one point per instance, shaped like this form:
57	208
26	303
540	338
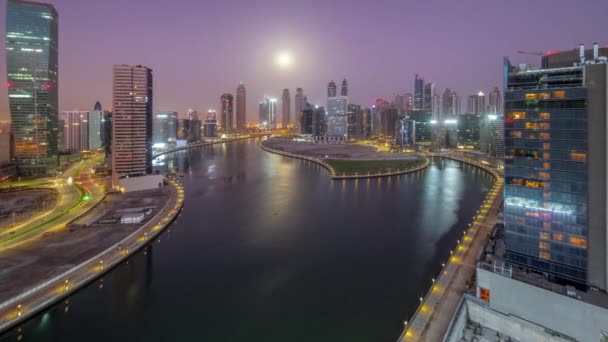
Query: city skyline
371	75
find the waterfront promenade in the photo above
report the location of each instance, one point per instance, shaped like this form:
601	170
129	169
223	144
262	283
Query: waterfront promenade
433	316
37	297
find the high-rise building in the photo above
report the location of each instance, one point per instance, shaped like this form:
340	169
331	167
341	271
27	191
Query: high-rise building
226	113
268	113
306	120
337	121
165	128
366	123
319	122
241	109
286	108
300	102
555	168
344	88
491	136
354	121
495	102
477	103
331	89
437	105
210	126
405	132
32	80
450	103
75	131
388	119
94	128
429	93
418	93
131	121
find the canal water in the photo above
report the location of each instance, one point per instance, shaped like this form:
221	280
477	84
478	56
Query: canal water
268	248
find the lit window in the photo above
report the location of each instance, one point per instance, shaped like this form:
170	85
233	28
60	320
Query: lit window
558	237
546	146
578	156
516	115
534	184
544	125
544	116
543	245
546	195
547	226
546	165
544	175
544	255
545	236
546	155
531	214
578	242
531	96
531	125
560	94
544	135
515	134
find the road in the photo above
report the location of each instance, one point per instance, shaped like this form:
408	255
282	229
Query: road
433	316
70	205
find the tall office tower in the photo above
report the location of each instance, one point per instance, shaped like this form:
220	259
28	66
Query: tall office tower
241	109
331	89
450	103
354	121
319	122
31	68
495	102
210	126
131	121
405	132
268	113
477	104
337	121
106	132
75	131
192	115
300	102
344	88
555	167
388	119
226	113
491	136
366	123
429	93
376	119
418	93
96	126
408	102
437	106
286	108
306	120
165	128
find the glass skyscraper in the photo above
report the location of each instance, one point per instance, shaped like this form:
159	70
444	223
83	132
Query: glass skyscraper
555	171
31	66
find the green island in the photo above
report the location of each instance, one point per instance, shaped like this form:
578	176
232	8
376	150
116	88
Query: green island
352	167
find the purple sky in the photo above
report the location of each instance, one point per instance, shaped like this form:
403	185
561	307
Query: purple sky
202	48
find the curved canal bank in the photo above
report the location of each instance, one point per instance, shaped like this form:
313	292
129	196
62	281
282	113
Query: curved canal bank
265	243
335	175
41	296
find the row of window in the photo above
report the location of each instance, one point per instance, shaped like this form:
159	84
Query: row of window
530	247
542	105
569	124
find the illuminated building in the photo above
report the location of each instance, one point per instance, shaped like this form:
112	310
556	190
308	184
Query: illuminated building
131	121
555	168
300	102
495	105
285	108
165	128
241	109
429	93
491	136
450	103
331	89
366	123
226	113
306	120
337	122
405	132
210	125
418	93
319	122
477	103
268	113
75	131
354	120
95	127
32	74
344	88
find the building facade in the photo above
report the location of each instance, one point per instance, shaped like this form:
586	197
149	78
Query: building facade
165	128
495	105
337	121
75	131
226	114
268	113
285	108
418	93
477	103
429	94
32	80
210	125
132	98
241	109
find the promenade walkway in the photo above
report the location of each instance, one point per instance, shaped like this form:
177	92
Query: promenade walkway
433	316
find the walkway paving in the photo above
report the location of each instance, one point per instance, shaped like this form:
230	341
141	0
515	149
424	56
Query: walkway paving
433	316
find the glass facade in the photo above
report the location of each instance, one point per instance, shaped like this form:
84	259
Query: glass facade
31	65
337	122
545	132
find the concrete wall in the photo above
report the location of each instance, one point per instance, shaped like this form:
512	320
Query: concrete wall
140	183
568	316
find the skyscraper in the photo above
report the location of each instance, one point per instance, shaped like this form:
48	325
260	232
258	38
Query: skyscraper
226	113
241	108
354	121
300	103
95	127
477	103
555	168
32	74
437	106
429	93
75	131
210	125
165	128
344	89
285	108
268	113
450	103
331	89
132	121
418	93
495	102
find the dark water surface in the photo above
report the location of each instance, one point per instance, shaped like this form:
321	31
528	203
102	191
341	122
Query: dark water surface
268	248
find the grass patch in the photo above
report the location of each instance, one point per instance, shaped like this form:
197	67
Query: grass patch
351	167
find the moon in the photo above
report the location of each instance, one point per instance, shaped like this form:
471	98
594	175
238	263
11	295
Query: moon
284	59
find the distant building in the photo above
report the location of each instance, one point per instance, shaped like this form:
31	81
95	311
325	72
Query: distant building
165	128
491	136
366	123
268	113
468	129
6	146
354	121
437	106
344	88
210	125
32	80
241	109
95	127
285	108
429	94
75	131
337	122
388	119
331	89
300	102
306	120
106	131
418	93
319	122
131	121
477	103
226	113
450	103
405	132
183	131
495	102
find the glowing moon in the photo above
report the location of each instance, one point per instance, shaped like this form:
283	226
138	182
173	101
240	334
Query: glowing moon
284	60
